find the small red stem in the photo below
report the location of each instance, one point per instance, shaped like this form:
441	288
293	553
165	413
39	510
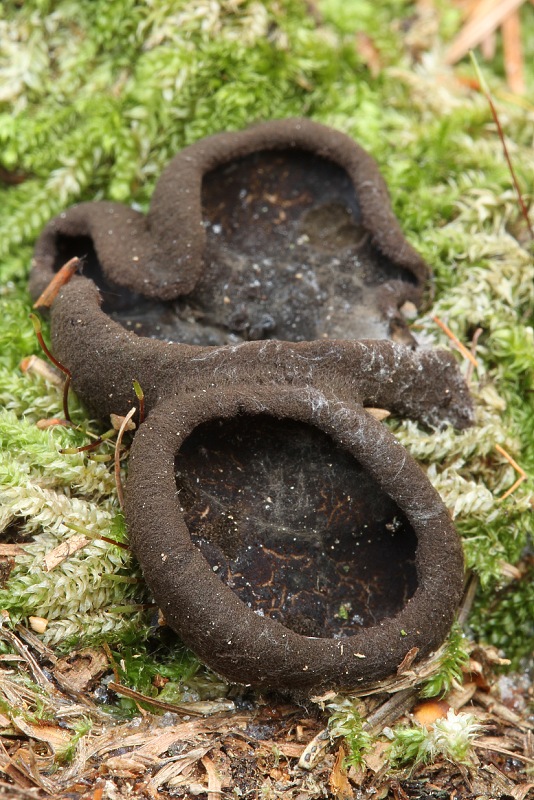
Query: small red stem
524	209
112	541
38	332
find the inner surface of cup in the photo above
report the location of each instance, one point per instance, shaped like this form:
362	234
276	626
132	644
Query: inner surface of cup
286	257
295	525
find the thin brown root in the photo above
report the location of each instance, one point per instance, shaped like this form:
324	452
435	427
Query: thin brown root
470	590
92	535
199	709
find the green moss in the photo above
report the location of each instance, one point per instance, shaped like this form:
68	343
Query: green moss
505	618
158	666
450	737
449	670
346	722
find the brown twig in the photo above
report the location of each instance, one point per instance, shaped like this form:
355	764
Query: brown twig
195	709
86	448
470	590
503	751
36	672
61	277
214	780
461	347
522	474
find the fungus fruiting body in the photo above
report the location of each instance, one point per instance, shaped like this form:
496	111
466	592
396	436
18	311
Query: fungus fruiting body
285	533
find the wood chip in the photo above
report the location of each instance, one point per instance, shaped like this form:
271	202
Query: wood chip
18	774
521	791
123	766
75	672
56	556
458	698
38	624
408	660
33	365
117	421
178	771
149	743
502	711
378	413
11	550
376	758
286	749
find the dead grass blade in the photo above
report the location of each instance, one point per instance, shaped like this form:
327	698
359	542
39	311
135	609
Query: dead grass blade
177	771
479	28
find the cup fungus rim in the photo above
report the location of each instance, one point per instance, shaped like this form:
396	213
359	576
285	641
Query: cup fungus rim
171	270
210	617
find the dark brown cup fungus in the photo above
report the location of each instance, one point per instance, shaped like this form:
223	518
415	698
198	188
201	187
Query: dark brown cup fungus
360	562
284	230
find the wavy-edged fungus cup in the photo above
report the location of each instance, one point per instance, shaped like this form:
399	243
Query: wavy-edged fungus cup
282	231
286	534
